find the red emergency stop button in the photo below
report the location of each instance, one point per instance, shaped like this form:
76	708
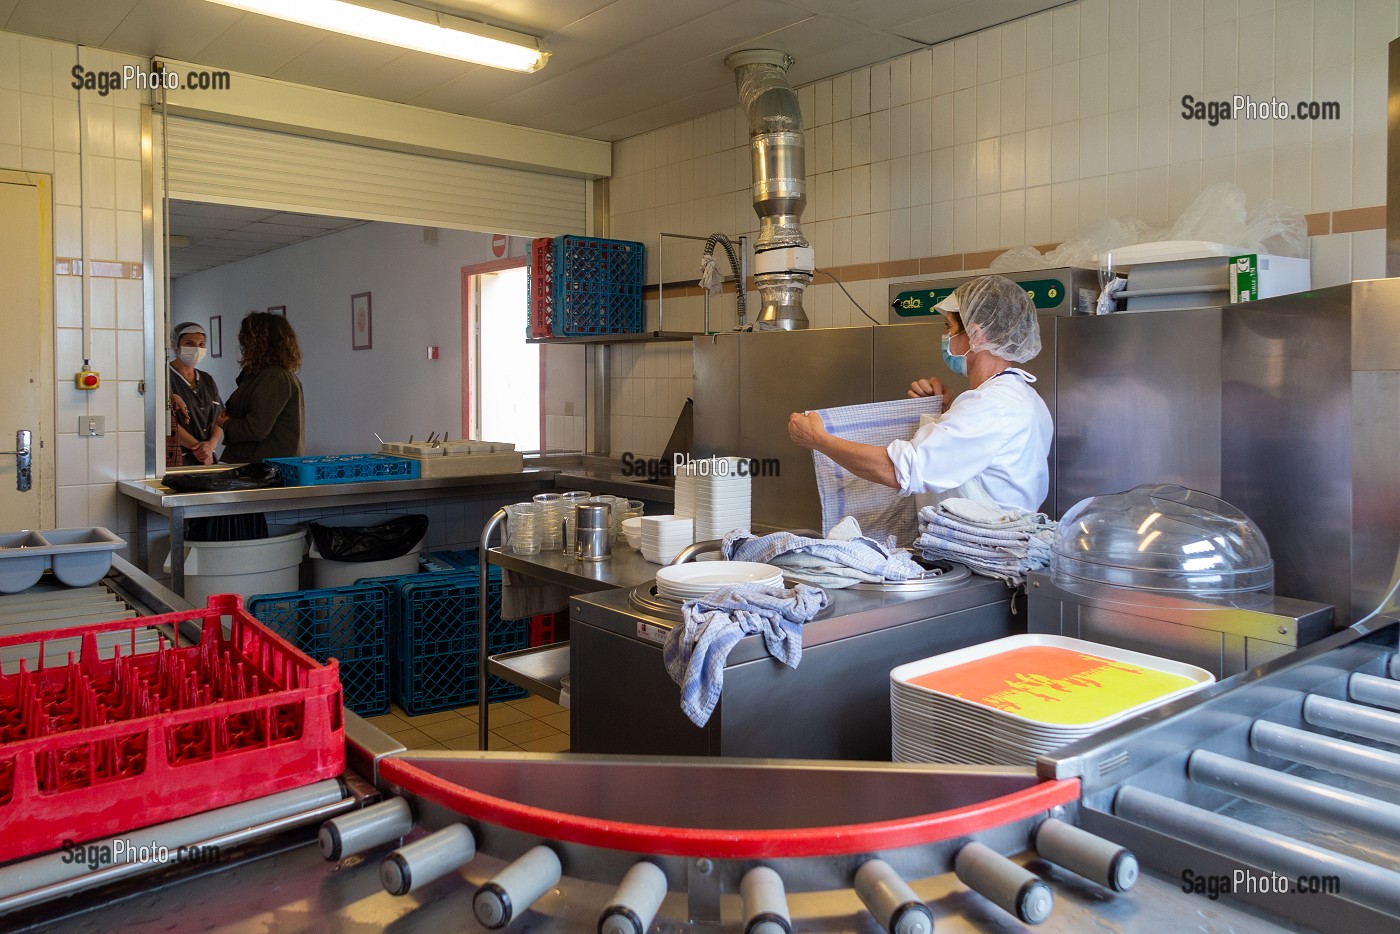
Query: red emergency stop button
87	379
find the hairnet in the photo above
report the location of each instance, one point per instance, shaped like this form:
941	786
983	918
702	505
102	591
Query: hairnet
184	327
1003	315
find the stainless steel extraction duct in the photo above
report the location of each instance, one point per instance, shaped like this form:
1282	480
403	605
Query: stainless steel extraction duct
783	259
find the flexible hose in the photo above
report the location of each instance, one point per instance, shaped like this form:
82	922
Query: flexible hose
724	241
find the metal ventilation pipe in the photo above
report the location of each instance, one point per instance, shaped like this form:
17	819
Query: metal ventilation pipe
783	259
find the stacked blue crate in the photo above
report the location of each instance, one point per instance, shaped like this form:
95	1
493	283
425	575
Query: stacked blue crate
350	624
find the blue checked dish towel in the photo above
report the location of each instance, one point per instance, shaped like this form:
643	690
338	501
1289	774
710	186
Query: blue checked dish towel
881	511
696	650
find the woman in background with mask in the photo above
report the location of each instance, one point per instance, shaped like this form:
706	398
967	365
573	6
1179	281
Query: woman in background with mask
992	444
194	397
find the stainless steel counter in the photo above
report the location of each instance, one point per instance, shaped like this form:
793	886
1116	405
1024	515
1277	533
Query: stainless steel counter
153	497
626	568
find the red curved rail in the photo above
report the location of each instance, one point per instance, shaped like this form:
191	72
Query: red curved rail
839	839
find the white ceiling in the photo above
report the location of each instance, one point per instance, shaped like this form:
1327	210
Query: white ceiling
619	68
221	233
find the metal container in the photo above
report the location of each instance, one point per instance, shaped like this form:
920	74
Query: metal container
593	534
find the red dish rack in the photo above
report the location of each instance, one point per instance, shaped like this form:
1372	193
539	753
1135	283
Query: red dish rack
541	287
129	731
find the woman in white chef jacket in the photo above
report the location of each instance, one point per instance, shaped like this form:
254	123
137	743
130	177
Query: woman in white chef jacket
991	445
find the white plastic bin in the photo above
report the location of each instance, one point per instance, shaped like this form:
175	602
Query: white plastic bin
248	567
327	572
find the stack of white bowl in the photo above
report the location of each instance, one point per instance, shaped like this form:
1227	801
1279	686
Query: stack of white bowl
685	490
723	499
664	537
691	581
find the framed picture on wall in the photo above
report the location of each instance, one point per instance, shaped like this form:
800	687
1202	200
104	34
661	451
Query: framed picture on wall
216	335
277	310
361	323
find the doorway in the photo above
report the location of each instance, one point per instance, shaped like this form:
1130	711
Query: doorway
26	356
505	385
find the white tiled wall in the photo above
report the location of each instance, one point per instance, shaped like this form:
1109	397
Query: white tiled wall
649	386
1028	131
40	131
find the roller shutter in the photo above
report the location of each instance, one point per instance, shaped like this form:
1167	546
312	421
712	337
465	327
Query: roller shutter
226	164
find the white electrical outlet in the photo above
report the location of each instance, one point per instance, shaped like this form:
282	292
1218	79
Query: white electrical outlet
92	426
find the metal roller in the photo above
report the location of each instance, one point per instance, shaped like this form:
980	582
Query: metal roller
765	902
1392	668
1378	692
1003	883
1332	714
1325	752
365	829
422	861
636	901
1099	860
890	899
1299	795
59	867
1367	884
517	887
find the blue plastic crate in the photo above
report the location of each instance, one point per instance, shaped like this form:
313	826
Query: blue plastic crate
344	468
350	624
598	286
435	644
452	560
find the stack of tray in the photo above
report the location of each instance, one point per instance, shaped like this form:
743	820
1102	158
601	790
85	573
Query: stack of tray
1008	701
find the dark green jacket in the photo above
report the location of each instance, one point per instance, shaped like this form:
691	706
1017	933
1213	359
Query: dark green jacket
266	417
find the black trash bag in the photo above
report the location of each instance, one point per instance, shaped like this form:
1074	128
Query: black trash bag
227	528
254	476
393	538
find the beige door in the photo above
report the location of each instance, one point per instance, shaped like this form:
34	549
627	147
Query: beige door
26	350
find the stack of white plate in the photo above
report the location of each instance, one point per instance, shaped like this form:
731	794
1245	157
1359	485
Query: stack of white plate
689	581
664	537
1008	701
723	499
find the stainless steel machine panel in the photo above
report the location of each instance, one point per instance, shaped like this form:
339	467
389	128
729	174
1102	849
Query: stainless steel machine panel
902	354
834	705
778	373
717	411
1065	290
1223	641
1138	402
1287	428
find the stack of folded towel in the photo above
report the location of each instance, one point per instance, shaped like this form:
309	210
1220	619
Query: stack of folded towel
1006	544
843	558
696	650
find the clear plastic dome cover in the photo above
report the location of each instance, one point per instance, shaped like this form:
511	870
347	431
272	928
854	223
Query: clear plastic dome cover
1162	540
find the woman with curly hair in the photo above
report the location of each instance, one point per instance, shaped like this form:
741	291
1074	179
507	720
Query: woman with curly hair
264	417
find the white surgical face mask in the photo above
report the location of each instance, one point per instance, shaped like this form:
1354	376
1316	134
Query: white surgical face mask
190	356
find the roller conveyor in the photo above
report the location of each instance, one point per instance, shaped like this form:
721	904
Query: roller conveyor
482	841
1281	791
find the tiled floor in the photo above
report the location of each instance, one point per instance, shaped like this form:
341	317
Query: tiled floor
532	724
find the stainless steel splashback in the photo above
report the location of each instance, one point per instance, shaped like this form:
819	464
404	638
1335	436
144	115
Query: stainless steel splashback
1311	437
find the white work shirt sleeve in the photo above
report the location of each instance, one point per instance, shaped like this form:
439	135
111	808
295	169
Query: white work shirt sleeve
949	452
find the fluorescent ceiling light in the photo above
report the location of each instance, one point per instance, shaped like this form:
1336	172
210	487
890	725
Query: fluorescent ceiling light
409	27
